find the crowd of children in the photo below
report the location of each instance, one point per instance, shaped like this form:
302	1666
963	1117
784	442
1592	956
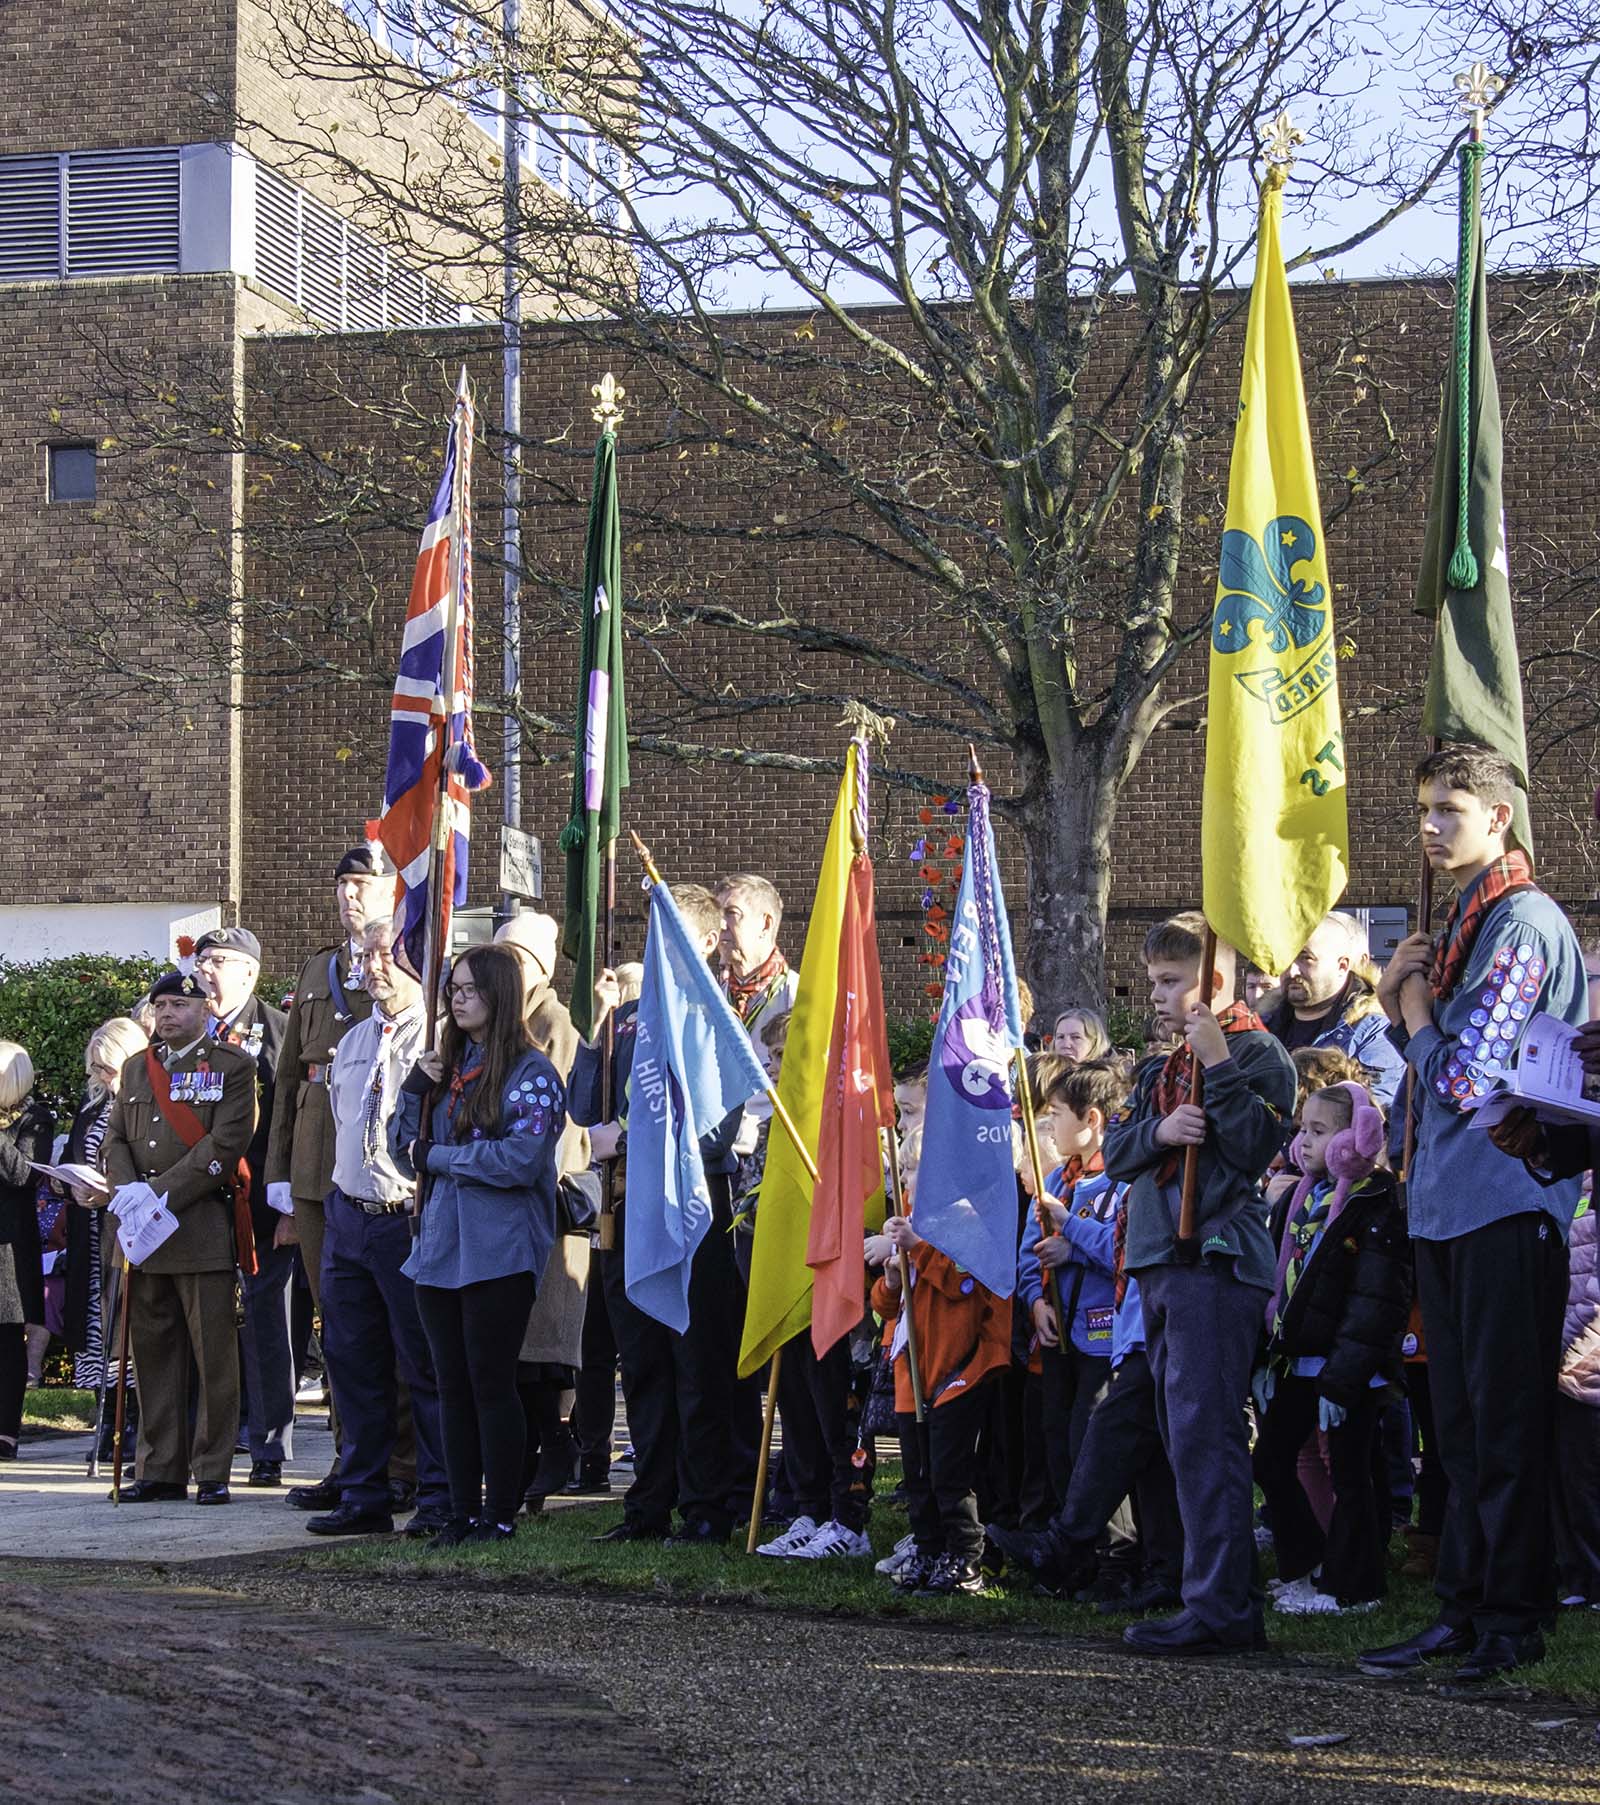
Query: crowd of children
1103	1432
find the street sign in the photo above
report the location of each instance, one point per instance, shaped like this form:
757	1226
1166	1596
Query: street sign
521	864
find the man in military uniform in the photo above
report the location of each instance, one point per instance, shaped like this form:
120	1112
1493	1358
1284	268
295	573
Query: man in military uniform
227	961
329	999
180	1297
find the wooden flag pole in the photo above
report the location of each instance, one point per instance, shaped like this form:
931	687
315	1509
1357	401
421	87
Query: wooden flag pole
1030	1134
1187	1246
607	414
903	1265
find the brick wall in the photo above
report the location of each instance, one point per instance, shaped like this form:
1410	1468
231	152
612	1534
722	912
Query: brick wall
719	526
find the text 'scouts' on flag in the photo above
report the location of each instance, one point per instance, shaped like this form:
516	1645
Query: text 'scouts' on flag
1274	834
966	1192
433	766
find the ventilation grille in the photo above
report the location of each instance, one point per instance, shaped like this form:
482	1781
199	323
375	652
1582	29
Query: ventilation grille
89	213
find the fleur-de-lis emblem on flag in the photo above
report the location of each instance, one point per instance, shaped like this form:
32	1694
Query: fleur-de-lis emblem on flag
1258	587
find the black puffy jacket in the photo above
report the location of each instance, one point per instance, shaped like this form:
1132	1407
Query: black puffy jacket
1354	1295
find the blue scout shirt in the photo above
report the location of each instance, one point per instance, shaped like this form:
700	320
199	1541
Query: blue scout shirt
1090	1229
1525	961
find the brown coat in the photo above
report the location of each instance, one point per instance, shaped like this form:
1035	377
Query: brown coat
554	1334
300	1151
141	1144
550	1028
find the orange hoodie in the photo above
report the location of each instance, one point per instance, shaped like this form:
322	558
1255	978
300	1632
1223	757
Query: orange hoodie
963	1329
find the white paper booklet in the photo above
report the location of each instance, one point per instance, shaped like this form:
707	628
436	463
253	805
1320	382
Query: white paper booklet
1548	1078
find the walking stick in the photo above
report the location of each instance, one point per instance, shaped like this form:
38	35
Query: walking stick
1187	1246
122	1383
107	1315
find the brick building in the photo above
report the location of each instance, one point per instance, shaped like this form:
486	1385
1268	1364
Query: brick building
171	244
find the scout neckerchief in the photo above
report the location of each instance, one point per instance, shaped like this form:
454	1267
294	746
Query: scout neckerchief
1305	1222
749	993
375	1108
460	1078
1174	1082
192	1131
1507	876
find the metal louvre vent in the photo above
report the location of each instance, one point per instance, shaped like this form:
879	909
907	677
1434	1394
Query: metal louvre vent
342	278
122	212
30	218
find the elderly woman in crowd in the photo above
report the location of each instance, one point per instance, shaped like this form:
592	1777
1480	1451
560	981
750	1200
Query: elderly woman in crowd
27	1133
89	1326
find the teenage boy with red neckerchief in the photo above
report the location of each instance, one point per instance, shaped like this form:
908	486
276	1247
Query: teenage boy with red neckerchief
1490	1240
1203	1306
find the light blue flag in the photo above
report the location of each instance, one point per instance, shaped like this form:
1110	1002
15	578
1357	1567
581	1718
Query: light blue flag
966	1195
692	1064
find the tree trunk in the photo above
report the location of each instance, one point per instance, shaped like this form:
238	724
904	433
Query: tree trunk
1065	821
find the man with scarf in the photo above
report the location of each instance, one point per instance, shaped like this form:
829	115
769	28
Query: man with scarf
1203	1305
1490	1239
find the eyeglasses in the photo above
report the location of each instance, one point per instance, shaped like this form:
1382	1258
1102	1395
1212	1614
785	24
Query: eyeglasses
462	992
211	960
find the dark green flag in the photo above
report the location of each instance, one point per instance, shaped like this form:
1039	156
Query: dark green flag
600	757
1474	690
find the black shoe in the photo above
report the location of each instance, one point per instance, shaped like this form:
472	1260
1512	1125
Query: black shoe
1495	1654
489	1532
533	1503
454	1532
630	1532
1185	1634
427	1524
915	1574
1140	1600
589	1486
264	1474
351	1520
324	1495
213	1492
154	1491
950	1576
1438	1642
698	1534
402	1495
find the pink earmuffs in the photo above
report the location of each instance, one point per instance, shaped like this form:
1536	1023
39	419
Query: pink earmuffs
1352	1156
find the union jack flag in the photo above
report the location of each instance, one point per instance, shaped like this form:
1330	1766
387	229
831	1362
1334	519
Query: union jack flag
435	664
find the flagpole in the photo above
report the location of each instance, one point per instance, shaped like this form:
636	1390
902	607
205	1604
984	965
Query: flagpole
1478	87
607	415
1186	1248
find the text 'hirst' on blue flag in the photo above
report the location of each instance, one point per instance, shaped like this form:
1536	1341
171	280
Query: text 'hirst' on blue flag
966	1196
693	1065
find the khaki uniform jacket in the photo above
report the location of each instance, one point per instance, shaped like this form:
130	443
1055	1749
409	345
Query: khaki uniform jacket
141	1144
300	1150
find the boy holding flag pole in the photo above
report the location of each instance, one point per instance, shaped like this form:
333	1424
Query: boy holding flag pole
1274	839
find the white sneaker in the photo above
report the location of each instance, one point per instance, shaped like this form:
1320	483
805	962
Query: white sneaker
1289	1595
1313	1603
834	1538
793	1539
904	1550
1263	1538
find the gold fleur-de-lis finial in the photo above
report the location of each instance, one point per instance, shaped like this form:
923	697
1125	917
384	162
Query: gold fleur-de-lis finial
609	394
1479	88
1279	140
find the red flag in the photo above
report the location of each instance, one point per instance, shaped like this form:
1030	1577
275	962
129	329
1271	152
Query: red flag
857	1101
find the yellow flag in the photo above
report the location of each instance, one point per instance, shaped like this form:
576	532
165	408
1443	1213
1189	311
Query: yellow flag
1274	832
779	1305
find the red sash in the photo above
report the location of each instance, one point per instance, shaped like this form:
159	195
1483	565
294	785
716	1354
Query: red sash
192	1131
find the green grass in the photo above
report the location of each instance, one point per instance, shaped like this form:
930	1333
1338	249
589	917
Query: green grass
557	1550
58	1407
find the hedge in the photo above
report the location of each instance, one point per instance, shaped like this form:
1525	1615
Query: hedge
52	1008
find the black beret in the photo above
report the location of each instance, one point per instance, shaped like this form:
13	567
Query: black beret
229	940
362	861
177	984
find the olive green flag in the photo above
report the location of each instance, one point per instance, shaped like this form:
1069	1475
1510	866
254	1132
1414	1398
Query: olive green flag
1474	692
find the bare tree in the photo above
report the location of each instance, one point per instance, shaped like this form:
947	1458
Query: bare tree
1013	234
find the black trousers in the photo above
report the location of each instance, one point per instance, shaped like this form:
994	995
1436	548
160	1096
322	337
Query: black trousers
13	1378
821	1425
941	1474
1072	1383
475	1335
681	1389
1492	1303
1575	1499
597	1379
1433	1487
1122	1455
1351	1554
550	1458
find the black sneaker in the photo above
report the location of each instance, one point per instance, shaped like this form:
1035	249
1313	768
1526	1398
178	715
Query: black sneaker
950	1576
915	1574
630	1532
489	1532
453	1533
698	1534
425	1525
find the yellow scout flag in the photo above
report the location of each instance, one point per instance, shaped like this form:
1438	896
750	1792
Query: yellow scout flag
1274	832
779	1305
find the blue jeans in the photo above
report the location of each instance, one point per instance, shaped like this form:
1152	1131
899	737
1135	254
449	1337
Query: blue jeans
370	1327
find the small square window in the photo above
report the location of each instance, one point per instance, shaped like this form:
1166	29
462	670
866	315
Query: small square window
71	472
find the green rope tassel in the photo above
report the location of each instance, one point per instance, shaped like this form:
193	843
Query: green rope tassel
1463	571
